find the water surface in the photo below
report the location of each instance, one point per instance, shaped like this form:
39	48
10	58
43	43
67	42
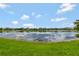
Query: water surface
40	36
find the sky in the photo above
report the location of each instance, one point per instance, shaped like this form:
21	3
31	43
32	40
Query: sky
38	15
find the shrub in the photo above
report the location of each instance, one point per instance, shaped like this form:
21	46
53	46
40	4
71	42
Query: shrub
77	35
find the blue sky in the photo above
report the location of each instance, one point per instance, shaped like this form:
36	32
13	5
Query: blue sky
35	15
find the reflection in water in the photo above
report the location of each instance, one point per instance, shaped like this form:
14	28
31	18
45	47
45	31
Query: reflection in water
40	36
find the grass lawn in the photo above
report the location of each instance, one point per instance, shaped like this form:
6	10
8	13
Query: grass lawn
21	48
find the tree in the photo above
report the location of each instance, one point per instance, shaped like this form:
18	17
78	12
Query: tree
0	29
77	27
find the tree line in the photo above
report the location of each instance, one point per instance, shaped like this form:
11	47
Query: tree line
35	29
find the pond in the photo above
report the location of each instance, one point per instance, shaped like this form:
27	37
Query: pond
39	36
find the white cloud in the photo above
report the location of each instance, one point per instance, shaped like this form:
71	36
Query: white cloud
58	19
29	25
66	7
72	24
24	17
39	15
2	5
33	13
52	20
14	22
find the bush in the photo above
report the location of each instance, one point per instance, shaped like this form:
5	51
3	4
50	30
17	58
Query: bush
77	35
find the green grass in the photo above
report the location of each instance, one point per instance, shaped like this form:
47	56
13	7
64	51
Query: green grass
21	48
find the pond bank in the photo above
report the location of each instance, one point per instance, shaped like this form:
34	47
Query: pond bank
9	47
